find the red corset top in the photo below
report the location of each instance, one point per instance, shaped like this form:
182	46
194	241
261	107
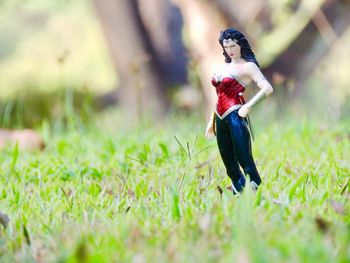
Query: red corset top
229	92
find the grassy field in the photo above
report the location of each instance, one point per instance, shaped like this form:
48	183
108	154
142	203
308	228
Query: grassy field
110	192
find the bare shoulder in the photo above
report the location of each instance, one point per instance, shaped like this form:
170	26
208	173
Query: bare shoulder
251	66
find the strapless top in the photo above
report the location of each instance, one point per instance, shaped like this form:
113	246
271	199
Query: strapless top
229	92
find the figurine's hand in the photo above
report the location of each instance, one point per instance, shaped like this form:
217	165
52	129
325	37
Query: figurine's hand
209	133
243	111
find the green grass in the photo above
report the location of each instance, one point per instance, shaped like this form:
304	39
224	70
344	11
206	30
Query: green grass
113	192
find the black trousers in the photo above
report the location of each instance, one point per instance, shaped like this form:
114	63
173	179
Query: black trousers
235	148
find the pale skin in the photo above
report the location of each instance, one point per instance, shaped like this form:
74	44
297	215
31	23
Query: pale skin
241	70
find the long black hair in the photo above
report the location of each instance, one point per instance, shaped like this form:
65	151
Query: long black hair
246	52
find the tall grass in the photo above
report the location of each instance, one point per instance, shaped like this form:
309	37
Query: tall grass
32	107
114	192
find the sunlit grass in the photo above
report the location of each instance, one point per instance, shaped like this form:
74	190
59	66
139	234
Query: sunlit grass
149	193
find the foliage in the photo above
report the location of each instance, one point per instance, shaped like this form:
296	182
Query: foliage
32	107
112	191
50	45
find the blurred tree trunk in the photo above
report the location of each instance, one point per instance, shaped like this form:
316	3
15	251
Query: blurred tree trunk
146	44
245	18
163	23
141	86
203	23
144	38
306	52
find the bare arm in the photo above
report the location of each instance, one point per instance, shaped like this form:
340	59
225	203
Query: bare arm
210	131
266	89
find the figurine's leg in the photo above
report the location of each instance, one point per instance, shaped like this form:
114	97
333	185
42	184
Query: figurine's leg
228	155
241	140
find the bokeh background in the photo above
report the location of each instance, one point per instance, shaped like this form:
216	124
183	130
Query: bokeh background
149	58
113	97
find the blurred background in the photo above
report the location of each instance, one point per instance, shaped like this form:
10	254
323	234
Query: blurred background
154	57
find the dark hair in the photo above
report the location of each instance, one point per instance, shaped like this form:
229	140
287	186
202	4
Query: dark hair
246	52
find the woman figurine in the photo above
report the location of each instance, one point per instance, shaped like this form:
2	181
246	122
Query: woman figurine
230	124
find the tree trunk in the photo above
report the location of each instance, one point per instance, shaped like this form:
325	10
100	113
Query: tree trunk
141	86
306	52
203	23
163	23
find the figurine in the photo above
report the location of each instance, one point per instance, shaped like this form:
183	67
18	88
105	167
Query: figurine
229	122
